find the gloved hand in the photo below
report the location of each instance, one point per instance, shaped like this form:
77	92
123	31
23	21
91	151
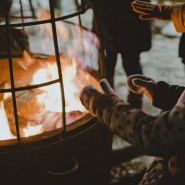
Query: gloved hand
150	11
97	102
141	84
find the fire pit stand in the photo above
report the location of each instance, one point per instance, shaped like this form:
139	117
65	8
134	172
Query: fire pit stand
74	154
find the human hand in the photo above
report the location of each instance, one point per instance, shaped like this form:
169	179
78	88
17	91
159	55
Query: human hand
141	84
150	11
96	101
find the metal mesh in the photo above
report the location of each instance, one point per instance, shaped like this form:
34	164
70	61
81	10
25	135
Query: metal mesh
15	42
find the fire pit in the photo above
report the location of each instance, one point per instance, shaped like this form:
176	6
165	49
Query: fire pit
46	135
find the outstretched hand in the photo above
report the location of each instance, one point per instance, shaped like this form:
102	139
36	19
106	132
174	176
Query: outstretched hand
95	101
141	84
150	11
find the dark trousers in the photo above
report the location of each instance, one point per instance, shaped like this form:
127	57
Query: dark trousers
131	65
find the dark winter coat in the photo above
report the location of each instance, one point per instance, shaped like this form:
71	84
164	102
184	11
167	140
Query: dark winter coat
120	28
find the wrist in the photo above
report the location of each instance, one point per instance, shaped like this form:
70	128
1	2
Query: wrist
165	12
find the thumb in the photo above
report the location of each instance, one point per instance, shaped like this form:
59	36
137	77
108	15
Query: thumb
141	83
106	87
146	87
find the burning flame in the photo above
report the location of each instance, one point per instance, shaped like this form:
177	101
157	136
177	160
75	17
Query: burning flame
48	101
71	92
42	112
5	132
32	130
51	95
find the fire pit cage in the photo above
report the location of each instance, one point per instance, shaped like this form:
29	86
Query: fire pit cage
17	60
71	150
70	146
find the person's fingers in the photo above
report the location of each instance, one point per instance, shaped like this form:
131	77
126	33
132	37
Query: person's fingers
143	5
147	17
131	86
106	87
141	83
139	10
87	92
142	10
140	76
146	10
146	87
141	2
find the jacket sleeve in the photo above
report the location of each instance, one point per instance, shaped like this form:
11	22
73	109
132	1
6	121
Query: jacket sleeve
161	135
165	95
178	17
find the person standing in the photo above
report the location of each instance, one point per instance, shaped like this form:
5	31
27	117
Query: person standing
182	48
121	31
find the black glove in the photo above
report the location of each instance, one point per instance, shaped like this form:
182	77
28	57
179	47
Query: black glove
150	11
141	84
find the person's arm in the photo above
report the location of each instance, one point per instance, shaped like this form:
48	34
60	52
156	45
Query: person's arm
149	11
161	94
161	135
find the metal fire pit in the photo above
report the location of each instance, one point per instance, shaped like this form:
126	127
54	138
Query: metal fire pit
77	153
